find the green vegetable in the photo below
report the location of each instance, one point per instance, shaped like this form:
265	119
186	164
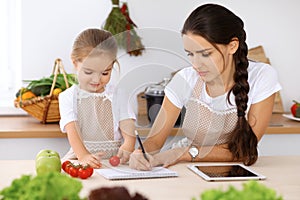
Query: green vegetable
42	86
47	186
60	81
122	27
252	190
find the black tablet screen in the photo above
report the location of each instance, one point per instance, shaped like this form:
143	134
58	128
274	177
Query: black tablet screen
226	171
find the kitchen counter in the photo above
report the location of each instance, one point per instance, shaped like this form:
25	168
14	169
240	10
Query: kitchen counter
29	127
282	174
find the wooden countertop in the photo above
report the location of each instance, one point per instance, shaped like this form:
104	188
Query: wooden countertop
282	174
29	127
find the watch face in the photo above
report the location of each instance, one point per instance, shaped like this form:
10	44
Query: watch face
193	151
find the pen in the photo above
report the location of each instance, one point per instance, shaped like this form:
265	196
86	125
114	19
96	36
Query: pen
141	145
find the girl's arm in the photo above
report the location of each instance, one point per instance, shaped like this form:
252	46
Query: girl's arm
83	155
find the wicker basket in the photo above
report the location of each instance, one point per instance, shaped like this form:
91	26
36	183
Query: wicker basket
46	108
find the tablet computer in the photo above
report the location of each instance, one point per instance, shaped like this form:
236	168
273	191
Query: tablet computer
225	172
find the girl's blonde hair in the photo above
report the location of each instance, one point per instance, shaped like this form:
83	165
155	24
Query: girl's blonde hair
92	41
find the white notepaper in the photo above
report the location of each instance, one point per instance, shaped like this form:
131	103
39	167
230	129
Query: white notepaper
123	172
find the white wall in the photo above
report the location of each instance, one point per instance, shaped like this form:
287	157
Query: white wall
49	28
27	148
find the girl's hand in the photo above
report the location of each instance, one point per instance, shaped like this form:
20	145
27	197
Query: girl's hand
137	161
124	153
93	160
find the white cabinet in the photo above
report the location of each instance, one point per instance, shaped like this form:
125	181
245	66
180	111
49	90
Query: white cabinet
279	144
27	148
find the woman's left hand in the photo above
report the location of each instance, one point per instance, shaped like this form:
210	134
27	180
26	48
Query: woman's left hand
124	153
169	157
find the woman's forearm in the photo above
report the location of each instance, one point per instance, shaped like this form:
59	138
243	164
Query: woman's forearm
217	153
162	126
127	128
206	154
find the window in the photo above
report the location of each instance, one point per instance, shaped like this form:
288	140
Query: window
10	51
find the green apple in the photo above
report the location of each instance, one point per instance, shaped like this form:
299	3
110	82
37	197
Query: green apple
47	161
46	152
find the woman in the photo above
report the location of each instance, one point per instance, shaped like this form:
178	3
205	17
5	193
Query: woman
228	99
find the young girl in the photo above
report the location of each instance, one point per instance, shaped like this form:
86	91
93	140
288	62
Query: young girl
228	99
94	131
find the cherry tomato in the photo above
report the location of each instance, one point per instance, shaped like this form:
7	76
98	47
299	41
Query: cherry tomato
65	165
114	161
73	171
68	168
83	173
90	170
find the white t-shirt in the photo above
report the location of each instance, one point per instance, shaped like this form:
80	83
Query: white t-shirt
68	107
262	79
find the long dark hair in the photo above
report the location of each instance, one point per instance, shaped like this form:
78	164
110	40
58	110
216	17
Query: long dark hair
218	25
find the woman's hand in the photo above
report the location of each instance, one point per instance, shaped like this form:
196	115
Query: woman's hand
165	159
93	160
124	153
138	161
169	157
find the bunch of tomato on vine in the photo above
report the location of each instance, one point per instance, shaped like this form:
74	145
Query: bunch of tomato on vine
77	170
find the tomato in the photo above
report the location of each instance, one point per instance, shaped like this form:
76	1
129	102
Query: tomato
65	165
83	173
114	161
295	109
80	171
90	170
73	171
68	168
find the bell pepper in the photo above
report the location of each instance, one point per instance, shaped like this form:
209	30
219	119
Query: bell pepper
295	109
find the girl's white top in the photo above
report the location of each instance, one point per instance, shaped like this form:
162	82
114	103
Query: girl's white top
120	108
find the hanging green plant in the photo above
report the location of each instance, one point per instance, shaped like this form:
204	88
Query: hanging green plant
122	27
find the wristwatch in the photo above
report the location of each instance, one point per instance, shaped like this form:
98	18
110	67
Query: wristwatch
193	151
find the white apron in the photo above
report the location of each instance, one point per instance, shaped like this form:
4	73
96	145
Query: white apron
204	126
95	124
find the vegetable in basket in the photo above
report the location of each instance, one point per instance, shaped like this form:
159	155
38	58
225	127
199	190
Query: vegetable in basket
42	86
40	97
24	94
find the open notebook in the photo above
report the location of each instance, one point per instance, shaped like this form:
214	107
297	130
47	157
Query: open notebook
123	172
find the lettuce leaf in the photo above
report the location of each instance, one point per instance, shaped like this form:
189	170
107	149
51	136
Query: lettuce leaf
49	186
252	190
